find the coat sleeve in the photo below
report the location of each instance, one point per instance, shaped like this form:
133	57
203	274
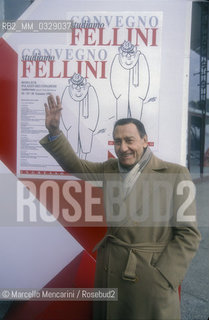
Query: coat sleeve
63	153
175	259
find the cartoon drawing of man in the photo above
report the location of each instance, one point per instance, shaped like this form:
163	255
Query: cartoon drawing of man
80	114
129	79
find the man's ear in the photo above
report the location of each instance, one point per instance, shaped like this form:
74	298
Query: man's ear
145	141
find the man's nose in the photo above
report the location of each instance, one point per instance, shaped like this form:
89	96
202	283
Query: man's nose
123	146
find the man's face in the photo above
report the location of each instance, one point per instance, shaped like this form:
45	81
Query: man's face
128	60
129	146
78	92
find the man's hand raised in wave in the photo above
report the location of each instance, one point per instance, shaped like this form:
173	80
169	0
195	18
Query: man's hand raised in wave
53	114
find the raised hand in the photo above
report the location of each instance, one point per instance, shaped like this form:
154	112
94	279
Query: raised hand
53	114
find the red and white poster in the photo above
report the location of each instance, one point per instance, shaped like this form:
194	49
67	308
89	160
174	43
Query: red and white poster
108	68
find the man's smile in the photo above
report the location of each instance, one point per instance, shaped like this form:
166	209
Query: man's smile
126	155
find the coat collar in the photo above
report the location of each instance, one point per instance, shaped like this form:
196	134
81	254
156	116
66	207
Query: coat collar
154	164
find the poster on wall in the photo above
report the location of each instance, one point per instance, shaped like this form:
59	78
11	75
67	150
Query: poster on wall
108	68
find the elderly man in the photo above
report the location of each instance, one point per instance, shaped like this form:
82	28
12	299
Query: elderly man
146	253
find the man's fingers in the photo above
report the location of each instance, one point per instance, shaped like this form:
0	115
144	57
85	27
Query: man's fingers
59	106
54	104
51	101
46	108
58	100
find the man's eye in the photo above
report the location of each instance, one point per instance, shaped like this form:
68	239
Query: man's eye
117	142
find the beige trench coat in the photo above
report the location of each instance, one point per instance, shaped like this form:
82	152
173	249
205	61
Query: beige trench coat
145	259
